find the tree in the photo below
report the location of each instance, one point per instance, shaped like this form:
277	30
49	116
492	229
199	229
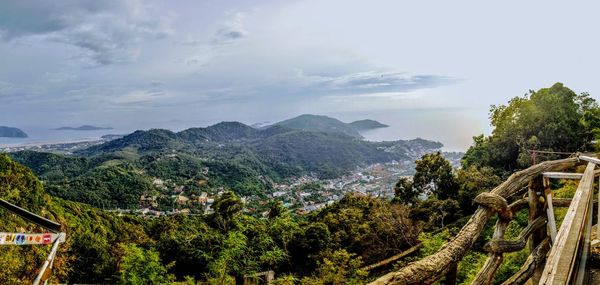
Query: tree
434	175
226	207
404	192
473	181
553	119
140	266
340	267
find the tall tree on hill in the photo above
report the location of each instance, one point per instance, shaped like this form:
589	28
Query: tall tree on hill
434	176
551	119
226	208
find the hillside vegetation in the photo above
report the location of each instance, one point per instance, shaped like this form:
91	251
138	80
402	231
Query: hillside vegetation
328	246
228	155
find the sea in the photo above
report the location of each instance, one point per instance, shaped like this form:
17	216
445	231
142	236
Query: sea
47	135
454	128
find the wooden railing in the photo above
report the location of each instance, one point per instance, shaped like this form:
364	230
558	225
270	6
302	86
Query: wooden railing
566	247
575	229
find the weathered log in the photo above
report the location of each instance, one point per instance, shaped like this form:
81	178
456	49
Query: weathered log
517	205
535	260
502	246
494	260
393	258
494	202
487	272
536	211
433	267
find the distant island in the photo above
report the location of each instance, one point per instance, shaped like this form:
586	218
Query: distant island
83	128
365	125
8	132
326	124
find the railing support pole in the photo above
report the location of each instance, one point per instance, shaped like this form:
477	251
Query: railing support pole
536	209
550	209
598	212
451	275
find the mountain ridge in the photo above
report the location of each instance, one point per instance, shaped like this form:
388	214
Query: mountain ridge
83	128
11	132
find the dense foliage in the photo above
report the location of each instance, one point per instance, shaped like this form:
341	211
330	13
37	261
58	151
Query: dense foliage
104	247
329	246
553	119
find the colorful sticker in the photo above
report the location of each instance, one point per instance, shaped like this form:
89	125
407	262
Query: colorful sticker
20	239
47	238
10	238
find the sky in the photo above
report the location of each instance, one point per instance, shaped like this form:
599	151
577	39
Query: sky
430	68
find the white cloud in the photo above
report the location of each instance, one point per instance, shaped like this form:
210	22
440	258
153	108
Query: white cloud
105	31
141	96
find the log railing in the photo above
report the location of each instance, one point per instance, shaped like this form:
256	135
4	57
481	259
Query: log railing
565	251
444	261
568	247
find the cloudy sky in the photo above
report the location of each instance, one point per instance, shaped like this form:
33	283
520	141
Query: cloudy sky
432	68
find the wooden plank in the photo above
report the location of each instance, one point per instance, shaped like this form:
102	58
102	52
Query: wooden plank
30	239
562	257
562	175
590	159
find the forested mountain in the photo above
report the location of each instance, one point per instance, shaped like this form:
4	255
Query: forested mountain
103	247
229	155
316	123
327	246
365	125
279	150
12	132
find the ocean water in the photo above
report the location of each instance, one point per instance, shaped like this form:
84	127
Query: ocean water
454	128
46	135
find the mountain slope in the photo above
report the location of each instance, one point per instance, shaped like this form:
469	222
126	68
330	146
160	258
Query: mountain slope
316	123
365	125
12	132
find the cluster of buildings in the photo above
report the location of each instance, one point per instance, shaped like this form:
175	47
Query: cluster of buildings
307	193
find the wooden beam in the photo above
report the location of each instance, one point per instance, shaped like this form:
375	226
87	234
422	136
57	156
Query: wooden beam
562	175
393	258
590	159
36	219
563	255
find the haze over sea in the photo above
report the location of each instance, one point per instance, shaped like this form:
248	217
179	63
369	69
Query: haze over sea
453	127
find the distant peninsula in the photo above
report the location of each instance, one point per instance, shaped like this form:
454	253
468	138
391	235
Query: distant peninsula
83	128
8	132
318	123
364	125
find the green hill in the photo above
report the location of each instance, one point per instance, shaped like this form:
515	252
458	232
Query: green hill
229	155
315	123
9	132
365	125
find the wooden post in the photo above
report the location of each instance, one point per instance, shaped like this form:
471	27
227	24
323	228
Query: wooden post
550	209
451	275
536	209
598	212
